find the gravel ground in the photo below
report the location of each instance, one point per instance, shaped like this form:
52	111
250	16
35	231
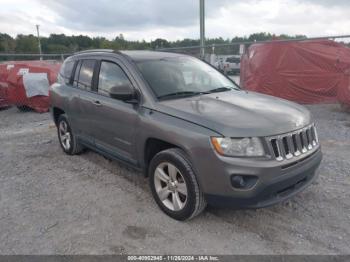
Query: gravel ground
51	203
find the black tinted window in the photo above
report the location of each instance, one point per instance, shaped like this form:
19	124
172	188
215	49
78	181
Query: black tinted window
86	73
111	75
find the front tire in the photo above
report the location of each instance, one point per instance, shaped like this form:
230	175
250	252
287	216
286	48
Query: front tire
174	185
67	140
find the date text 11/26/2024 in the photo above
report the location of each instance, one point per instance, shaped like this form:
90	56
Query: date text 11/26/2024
173	258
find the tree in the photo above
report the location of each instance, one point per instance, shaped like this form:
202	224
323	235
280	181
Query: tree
83	42
60	43
26	44
263	36
160	43
7	43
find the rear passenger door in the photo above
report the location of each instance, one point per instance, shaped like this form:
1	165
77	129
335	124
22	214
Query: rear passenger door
115	121
71	97
84	82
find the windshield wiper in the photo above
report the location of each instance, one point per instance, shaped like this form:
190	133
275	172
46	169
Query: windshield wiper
220	89
180	94
193	93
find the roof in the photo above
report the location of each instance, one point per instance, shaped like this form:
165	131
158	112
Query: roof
135	55
149	55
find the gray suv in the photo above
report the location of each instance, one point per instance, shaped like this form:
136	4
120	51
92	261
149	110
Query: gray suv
197	136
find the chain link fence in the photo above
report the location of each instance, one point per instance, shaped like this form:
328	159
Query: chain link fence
6	57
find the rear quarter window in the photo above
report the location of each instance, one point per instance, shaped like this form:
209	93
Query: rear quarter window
66	72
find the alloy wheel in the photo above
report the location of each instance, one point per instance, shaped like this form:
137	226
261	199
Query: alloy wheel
65	136
170	186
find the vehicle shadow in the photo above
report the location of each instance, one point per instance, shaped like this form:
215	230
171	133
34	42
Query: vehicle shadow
117	168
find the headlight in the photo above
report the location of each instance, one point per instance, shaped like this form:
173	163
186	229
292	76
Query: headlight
238	147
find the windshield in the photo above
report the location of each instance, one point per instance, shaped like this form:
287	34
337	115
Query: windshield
183	76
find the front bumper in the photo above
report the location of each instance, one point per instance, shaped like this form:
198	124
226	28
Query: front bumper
276	181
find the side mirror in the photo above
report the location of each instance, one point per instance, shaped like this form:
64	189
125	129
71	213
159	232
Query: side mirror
124	92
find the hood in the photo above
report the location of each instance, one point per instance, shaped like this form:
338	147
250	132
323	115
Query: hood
239	113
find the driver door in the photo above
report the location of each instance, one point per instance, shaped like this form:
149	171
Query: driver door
116	121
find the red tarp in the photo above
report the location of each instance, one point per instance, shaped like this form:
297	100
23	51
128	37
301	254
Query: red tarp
3	87
306	72
13	91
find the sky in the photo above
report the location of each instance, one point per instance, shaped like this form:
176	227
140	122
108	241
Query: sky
174	19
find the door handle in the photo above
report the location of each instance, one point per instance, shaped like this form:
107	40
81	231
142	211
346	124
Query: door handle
97	103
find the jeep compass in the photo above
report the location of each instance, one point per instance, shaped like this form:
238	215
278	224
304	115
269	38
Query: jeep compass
197	136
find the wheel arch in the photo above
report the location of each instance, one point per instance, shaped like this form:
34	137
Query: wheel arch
152	147
56	112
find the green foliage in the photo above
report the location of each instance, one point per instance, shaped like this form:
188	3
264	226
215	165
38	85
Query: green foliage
26	44
7	43
60	43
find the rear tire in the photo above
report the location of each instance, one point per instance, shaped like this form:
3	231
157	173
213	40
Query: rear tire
174	185
66	137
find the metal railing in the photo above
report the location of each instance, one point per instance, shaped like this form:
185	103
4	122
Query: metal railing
235	43
31	56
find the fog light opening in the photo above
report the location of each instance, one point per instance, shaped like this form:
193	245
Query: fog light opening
243	181
238	181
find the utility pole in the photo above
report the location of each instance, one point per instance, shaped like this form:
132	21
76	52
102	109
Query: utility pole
39	44
202	27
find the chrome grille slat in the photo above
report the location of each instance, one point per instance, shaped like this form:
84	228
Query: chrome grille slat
316	135
291	147
304	141
297	145
313	137
293	144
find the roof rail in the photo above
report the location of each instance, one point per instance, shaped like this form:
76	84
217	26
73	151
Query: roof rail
94	50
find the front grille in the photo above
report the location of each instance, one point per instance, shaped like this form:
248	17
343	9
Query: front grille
293	144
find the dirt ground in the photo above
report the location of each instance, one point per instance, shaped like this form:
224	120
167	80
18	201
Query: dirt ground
51	203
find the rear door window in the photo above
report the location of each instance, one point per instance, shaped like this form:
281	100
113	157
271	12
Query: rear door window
86	74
